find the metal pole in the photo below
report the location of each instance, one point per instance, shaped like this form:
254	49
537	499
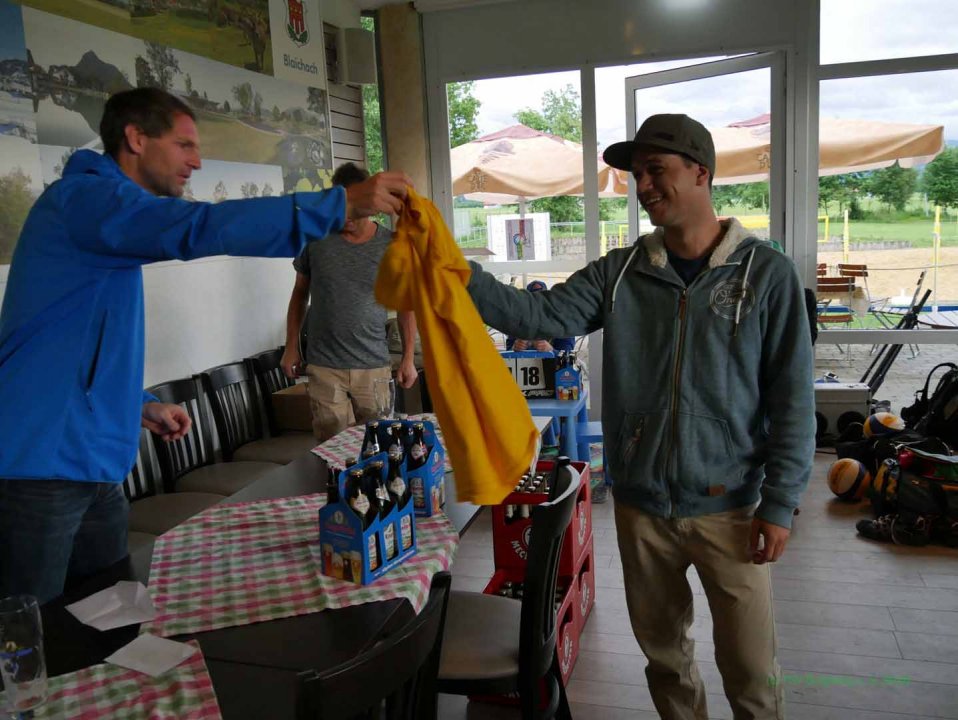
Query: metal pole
846	237
936	244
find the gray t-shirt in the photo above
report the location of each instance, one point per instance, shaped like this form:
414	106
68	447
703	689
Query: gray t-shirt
346	328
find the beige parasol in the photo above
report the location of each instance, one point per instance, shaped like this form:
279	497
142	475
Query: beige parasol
518	164
743	149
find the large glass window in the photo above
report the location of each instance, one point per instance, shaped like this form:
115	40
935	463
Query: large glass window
516	166
853	30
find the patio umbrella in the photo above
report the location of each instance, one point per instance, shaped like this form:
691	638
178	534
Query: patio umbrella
518	164
743	149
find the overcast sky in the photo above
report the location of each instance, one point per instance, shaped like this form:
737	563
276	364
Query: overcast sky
851	30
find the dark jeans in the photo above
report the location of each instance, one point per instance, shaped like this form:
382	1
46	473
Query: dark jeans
55	530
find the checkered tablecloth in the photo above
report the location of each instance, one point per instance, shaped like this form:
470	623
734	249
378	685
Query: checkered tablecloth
109	691
257	561
348	443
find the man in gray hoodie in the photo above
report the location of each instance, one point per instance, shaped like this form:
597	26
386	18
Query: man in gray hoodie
707	413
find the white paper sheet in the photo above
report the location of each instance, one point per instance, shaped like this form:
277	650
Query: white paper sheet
151	654
125	603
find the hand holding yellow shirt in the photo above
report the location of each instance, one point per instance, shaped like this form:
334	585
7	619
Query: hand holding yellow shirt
485	420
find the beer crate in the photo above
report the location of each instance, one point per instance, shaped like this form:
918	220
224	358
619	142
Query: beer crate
585	587
510	535
427	482
533	371
350	552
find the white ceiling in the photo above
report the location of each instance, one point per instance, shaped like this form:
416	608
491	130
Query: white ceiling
427	5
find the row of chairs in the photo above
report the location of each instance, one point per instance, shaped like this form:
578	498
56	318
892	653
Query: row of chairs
234	440
462	643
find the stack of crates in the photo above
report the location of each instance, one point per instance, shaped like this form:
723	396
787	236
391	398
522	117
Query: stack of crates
575	588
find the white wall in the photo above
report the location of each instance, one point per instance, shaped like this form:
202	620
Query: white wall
212	311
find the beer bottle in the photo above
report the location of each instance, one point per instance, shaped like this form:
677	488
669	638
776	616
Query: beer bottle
356	496
371	441
396	449
332	486
350	461
395	484
418	450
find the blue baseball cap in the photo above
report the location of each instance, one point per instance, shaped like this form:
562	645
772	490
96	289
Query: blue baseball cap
536	286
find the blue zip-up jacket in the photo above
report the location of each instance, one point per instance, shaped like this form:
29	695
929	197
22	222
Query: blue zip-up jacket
71	326
707	401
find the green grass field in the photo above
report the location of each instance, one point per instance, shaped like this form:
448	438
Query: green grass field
227	139
227	45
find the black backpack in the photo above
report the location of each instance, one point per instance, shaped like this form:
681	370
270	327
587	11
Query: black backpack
937	415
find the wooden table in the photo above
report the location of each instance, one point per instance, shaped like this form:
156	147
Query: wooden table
254	667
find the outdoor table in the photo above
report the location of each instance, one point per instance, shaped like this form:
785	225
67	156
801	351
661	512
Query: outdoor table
253	667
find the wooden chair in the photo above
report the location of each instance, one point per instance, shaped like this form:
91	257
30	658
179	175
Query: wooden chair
398	672
839	291
270	378
190	464
153	511
235	402
495	645
821	270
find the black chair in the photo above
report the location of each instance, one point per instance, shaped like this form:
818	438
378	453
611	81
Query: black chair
494	645
231	389
189	464
398	672
270	378
152	511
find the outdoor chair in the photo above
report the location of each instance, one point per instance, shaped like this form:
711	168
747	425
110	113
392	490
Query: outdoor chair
891	312
189	464
234	399
834	297
398	672
495	645
152	510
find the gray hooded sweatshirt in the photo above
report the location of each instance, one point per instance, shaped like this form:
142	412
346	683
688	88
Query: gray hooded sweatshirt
707	400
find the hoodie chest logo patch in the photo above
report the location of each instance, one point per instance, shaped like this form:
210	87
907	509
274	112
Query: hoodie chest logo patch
727	295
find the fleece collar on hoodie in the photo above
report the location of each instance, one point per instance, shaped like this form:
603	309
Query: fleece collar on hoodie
735	237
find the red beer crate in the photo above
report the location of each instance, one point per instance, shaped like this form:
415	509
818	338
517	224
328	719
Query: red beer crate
567	634
585	587
510	536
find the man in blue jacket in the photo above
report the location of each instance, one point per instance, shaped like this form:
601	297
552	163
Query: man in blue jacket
707	414
72	335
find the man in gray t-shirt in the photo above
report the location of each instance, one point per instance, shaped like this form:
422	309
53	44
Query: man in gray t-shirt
346	349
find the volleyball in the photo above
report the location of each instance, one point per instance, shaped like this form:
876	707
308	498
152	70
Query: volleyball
883	423
849	479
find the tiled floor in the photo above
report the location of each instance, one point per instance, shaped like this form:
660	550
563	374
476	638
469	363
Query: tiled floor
852	616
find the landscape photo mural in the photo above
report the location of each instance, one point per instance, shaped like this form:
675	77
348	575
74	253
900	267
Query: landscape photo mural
232	31
259	135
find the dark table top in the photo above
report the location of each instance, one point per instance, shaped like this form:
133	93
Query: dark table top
253	667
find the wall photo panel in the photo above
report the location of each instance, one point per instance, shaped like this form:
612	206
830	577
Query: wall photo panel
235	32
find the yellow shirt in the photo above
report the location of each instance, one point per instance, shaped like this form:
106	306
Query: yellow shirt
485	420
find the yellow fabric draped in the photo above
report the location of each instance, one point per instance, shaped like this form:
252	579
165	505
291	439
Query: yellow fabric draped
485	420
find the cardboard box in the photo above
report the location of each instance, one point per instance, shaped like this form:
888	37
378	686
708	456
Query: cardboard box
428	482
352	553
291	408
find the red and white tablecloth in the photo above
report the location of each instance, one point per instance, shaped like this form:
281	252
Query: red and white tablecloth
257	561
109	691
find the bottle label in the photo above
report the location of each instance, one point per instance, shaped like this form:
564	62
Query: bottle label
418	497
373	552
405	530
389	535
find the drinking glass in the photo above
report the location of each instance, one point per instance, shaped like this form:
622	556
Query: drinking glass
22	665
384	392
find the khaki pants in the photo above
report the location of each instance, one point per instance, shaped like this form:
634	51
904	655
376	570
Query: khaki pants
656	553
341	398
